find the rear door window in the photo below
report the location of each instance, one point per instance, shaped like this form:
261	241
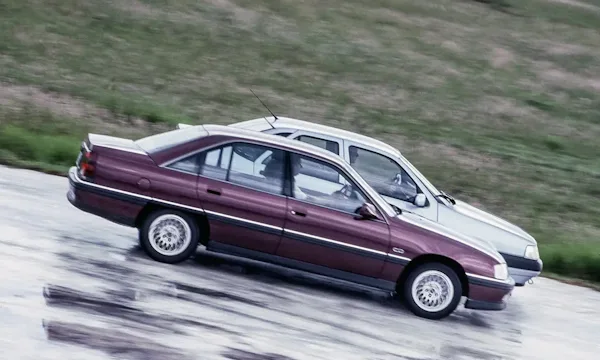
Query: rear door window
328	145
226	163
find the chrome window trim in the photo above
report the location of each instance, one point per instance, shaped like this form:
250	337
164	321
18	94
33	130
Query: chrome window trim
335	164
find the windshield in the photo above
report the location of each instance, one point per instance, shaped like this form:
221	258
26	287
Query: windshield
418	174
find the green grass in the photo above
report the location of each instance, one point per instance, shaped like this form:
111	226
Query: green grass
497	102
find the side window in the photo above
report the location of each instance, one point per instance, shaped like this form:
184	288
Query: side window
270	179
216	163
315	169
189	164
228	164
332	146
383	174
338	193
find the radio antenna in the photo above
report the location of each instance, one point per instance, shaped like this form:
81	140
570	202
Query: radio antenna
275	116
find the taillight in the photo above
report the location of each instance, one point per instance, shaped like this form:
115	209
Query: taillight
87	162
87	169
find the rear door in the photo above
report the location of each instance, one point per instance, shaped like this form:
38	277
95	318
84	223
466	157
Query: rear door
321	228
245	209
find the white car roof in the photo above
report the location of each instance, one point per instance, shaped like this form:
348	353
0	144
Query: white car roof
262	124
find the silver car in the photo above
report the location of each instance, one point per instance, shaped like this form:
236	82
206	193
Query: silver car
403	186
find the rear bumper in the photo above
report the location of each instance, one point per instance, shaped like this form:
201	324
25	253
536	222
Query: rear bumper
102	203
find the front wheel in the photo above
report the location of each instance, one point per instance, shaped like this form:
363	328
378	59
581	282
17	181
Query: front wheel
432	291
169	236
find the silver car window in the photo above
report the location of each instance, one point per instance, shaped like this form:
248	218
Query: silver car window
383	174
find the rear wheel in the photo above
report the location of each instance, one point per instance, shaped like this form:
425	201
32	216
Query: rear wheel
169	236
432	291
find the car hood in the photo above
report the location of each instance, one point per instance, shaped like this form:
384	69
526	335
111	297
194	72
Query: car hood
471	211
477	243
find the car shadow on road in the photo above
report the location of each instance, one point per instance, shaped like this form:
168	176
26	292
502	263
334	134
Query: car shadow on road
270	274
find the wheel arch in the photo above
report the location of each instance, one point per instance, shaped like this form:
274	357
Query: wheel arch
200	219
432	258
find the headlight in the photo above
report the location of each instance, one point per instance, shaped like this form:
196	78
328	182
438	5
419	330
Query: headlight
501	271
531	252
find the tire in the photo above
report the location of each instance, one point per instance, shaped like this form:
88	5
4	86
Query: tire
162	232
432	277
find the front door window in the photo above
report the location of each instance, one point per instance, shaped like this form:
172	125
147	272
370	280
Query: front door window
383	174
329	188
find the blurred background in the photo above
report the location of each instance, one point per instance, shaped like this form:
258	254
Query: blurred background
497	102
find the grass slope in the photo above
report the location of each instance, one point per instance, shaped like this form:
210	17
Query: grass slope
497	102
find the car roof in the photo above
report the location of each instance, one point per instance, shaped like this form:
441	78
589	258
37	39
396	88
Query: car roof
214	129
285	122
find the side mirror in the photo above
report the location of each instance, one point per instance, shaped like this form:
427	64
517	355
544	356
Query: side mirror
367	212
420	200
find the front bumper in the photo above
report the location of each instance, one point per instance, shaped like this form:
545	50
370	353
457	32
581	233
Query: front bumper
485	305
522	269
522	276
487	293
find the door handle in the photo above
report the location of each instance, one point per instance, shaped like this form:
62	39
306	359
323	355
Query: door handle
294	212
214	192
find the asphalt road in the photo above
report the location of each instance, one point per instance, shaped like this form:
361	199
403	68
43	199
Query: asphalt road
74	286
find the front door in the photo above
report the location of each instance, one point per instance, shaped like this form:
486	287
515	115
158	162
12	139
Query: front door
321	227
245	209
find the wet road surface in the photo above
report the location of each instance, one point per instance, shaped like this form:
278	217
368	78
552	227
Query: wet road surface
75	286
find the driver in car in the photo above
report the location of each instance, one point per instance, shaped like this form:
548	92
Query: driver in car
353	155
296	166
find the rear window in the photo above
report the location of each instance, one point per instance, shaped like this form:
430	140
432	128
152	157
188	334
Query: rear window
162	141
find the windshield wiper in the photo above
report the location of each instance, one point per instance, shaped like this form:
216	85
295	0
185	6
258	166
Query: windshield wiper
447	197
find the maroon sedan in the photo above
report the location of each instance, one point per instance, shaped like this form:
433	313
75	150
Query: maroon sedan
301	207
